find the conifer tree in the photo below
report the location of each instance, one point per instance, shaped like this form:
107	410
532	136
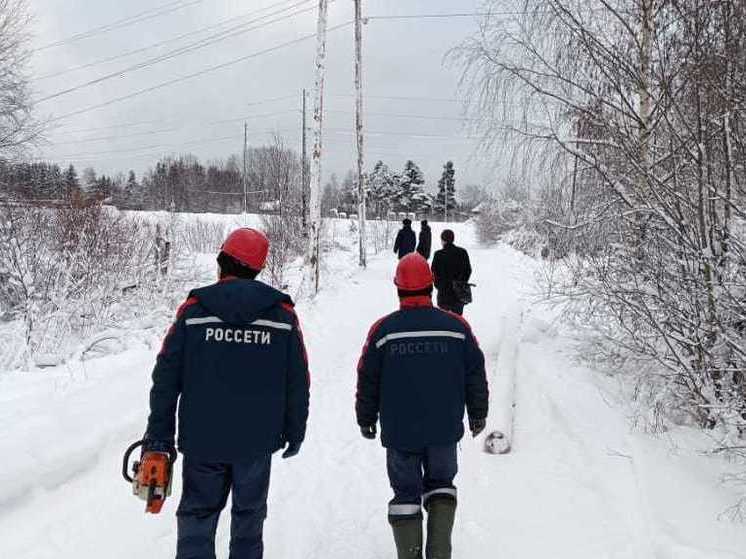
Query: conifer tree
445	201
409	195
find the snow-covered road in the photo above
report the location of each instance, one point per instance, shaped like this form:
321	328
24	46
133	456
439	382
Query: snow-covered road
570	488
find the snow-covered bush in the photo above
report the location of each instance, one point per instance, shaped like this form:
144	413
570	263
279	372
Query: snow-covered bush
498	216
286	241
63	272
645	150
199	236
381	234
511	216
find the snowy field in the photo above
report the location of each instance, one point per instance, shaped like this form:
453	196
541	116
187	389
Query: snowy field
578	484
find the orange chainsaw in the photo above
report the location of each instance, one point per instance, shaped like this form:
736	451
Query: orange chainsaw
151	476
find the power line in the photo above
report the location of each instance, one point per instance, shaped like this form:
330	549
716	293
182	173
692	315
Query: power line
202	72
283	98
131	154
177	38
401	115
339	131
120	137
404	134
404	98
162	146
174	128
463	14
203	43
121	23
439	16
498	14
162	122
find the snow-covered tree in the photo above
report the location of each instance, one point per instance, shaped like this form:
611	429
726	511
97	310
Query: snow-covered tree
348	193
88	182
382	187
132	192
472	195
330	196
445	200
71	183
18	126
409	195
103	189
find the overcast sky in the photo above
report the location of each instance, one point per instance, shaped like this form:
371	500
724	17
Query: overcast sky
203	115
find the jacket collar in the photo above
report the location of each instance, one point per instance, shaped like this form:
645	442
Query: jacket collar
420	301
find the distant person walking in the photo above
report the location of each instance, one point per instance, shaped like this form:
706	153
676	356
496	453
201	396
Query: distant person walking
426	240
451	270
406	240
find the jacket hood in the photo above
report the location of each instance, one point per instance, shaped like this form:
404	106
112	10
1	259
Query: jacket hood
238	301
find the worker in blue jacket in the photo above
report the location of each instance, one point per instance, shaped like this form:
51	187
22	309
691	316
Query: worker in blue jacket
406	240
235	364
420	368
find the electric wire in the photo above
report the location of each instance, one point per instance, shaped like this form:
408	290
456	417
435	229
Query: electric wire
403	98
121	23
273	100
193	75
254	134
203	43
174	128
152	46
162	122
499	14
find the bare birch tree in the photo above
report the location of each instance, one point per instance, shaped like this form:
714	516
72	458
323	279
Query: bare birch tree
18	126
635	110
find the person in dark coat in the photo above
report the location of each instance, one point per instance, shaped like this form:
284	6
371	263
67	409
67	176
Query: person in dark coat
235	365
426	240
450	264
420	369
406	240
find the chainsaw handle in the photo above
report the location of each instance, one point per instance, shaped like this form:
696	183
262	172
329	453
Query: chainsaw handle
172	456
126	460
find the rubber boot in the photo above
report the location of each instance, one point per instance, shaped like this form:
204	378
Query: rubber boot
441	514
408	537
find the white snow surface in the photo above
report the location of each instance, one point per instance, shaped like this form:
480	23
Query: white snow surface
577	484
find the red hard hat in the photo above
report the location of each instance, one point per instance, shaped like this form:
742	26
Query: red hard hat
413	273
248	246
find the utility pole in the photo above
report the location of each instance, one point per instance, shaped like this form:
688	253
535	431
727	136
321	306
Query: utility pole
243	180
314	248
304	171
361	190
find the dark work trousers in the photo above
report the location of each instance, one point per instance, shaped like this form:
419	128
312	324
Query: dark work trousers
205	493
417	476
457	308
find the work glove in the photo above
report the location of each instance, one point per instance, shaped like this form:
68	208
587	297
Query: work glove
476	426
369	432
154	445
292	449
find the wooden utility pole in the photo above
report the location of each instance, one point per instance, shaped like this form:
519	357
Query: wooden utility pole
361	186
304	170
245	170
314	242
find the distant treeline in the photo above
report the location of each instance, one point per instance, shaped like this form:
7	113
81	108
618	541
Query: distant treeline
273	184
